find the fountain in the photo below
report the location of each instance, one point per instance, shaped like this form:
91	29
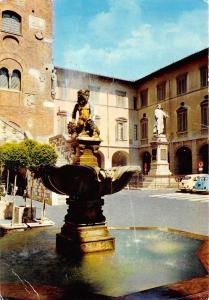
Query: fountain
85	183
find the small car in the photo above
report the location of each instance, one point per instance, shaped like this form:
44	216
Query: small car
188	181
201	184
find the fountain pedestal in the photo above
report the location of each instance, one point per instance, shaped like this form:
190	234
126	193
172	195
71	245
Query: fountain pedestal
83	149
84	230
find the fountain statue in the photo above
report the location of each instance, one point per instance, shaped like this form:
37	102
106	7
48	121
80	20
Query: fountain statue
85	183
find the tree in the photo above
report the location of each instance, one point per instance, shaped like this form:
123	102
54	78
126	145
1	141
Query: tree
17	157
43	154
14	155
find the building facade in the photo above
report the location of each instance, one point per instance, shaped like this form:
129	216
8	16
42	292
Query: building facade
124	113
25	67
182	90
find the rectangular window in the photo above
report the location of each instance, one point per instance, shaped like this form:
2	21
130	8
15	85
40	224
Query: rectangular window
135	132
135	103
120	98
181	84
182	120
121	130
204	115
144	128
144	131
144	97
161	91
204	76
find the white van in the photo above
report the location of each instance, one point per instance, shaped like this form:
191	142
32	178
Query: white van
187	183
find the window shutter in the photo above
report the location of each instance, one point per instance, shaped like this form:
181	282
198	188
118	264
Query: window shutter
6	22
4	79
116	131
11	22
15	81
15	25
125	129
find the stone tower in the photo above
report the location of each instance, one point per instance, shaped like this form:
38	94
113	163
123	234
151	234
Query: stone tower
26	98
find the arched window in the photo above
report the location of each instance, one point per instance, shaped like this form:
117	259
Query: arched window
4	78
16	80
204	114
182	119
11	22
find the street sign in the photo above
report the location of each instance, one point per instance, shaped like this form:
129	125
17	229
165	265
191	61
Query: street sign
200	164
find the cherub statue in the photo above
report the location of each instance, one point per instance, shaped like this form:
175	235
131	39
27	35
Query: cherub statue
85	124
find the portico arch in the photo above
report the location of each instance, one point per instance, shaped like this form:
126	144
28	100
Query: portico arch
146	160
120	158
203	156
183	161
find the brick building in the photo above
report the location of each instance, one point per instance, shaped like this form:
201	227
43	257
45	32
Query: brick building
26	66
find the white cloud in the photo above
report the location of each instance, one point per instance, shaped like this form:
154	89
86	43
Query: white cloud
125	40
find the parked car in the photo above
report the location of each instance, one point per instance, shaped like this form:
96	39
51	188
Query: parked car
201	184
188	181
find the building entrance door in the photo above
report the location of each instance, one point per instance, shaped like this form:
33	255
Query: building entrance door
183	161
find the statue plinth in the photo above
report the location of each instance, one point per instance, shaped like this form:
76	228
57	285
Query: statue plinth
159	165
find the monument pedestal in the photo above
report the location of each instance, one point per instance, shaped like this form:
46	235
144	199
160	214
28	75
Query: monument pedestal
159	165
159	175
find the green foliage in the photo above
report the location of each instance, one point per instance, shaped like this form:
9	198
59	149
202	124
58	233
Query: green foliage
30	144
14	155
43	154
27	153
2	193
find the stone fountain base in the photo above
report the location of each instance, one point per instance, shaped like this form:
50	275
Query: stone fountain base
85	229
85	239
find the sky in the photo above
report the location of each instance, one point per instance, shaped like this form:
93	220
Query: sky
127	39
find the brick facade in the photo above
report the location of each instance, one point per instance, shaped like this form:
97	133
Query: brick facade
28	51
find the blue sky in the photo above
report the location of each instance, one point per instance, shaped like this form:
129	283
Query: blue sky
127	39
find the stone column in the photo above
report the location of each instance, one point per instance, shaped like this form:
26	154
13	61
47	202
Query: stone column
194	157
